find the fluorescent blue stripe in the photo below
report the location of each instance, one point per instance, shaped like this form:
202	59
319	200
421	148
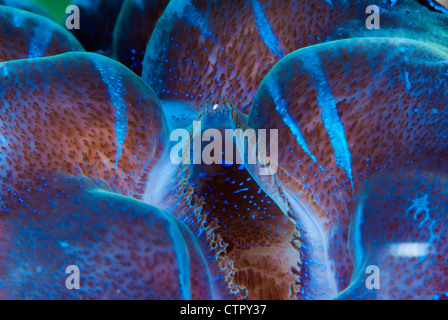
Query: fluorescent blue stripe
19	18
266	33
330	116
4	70
282	109
41	39
116	92
408	83
194	17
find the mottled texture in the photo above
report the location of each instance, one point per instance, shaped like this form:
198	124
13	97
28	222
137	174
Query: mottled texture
124	248
28	35
77	113
400	226
389	119
66	115
203	51
87	179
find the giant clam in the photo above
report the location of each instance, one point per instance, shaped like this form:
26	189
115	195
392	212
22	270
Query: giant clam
360	167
